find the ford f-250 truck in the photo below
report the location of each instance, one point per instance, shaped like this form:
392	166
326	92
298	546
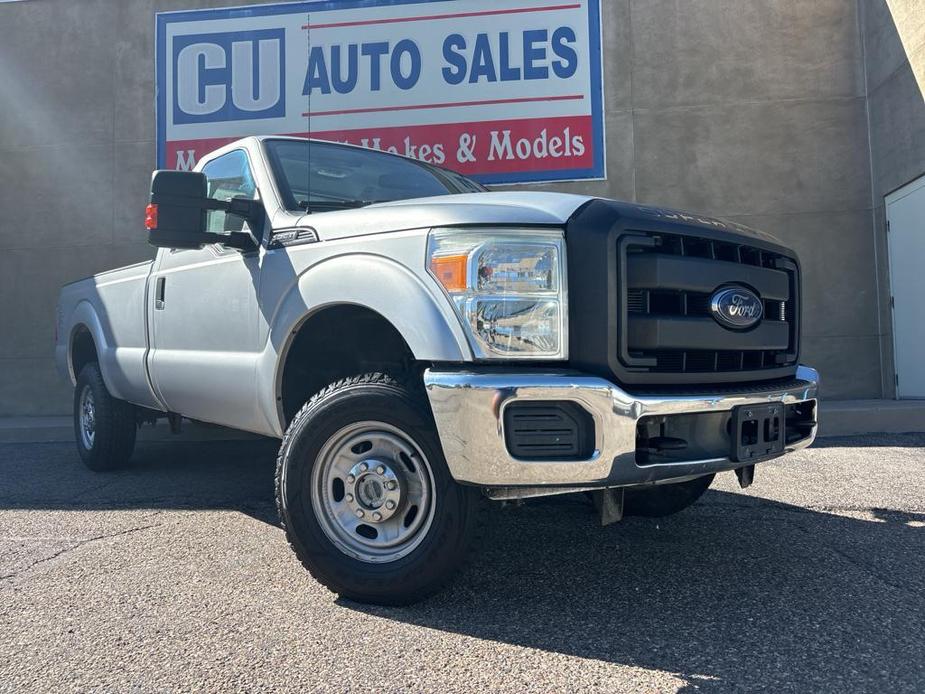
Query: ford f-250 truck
419	344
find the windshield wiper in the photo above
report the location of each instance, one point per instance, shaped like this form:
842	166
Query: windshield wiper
328	205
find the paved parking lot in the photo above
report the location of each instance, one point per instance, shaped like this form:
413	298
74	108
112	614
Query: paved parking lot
173	575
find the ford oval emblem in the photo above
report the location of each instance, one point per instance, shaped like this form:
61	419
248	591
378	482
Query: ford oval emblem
736	307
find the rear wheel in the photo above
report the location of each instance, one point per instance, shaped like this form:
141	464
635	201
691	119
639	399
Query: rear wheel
104	426
664	499
366	498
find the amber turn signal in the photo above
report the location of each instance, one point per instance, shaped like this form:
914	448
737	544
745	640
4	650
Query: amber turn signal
451	271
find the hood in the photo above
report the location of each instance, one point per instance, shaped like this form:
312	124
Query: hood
558	207
505	208
667	216
508	208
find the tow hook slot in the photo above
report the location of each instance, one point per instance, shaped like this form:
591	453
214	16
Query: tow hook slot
659	444
656	441
609	504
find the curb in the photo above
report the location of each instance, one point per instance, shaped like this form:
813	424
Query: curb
836	418
854	417
61	430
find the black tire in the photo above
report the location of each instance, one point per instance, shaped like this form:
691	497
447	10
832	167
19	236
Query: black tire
664	499
444	545
114	423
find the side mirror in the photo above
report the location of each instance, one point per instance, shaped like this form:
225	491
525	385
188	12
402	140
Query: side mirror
176	215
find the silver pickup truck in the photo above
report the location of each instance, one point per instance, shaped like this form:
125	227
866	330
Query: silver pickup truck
420	344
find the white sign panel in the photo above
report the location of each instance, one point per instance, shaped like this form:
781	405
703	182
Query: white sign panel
501	90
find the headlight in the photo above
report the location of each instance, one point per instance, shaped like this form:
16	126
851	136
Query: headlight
508	287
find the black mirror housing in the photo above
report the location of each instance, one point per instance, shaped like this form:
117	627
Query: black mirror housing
179	216
176	217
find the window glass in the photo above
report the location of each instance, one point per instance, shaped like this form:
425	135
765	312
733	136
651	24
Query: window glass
319	176
229	176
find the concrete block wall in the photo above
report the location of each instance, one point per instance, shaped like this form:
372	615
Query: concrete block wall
751	109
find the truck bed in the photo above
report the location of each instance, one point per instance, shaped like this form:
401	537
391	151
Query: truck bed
114	302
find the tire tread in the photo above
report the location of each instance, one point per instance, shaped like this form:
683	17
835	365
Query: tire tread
116	423
375	378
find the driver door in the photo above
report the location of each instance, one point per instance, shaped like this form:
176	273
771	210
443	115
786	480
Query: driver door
204	314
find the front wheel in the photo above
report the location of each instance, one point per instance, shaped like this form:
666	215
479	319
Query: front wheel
365	495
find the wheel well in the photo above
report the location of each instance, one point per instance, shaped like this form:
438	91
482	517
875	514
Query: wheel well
339	342
83	350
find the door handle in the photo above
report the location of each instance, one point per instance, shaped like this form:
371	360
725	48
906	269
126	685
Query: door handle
159	293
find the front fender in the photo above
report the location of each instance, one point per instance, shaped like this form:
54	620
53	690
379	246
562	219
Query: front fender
422	315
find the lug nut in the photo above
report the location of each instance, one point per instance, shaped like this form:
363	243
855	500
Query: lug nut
377	516
380	470
360	513
351	479
364	467
390	504
349	498
391	484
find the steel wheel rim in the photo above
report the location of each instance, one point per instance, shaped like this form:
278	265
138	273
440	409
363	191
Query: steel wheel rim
87	417
373	492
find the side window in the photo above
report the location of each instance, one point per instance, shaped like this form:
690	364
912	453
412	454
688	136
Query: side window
229	176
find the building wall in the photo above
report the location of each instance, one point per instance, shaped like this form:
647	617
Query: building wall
751	109
894	49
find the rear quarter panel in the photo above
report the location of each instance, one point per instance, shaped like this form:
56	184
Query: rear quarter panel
111	305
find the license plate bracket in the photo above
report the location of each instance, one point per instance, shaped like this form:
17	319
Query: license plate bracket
758	432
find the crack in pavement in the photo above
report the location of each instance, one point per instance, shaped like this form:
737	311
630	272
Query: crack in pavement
79	544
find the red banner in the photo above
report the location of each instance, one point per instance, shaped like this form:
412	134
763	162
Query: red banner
492	147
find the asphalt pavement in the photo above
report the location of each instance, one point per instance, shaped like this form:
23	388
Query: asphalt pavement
173	575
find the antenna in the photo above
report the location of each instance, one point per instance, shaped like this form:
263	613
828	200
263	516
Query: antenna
308	146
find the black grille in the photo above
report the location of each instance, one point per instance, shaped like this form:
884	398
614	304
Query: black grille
667	326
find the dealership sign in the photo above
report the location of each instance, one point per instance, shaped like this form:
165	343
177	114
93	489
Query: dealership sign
502	90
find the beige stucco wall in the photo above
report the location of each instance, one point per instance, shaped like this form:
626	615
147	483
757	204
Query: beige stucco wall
894	43
752	109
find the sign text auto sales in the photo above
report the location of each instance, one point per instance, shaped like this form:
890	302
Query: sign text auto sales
504	91
344	68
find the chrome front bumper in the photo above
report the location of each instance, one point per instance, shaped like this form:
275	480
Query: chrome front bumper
468	407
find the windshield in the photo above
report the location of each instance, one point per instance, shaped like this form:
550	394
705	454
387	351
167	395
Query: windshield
319	176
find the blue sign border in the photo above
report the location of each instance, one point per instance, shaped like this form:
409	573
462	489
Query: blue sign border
596	172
